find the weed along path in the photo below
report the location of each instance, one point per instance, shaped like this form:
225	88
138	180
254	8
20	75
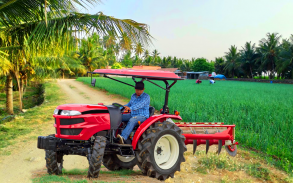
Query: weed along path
27	162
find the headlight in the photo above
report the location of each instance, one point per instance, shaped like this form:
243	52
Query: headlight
56	111
70	113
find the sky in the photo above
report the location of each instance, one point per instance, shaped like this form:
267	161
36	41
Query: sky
203	28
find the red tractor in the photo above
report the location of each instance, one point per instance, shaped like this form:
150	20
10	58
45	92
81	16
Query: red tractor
157	145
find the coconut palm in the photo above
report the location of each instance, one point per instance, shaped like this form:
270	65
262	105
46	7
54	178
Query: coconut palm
41	21
138	49
125	42
269	49
232	60
146	54
155	53
248	58
284	65
109	41
219	65
136	60
90	52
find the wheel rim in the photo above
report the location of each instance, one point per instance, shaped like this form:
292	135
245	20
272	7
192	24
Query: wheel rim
125	158
166	151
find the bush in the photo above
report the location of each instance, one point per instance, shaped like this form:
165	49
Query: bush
116	66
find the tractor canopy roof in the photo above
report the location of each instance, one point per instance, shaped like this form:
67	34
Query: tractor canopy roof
150	74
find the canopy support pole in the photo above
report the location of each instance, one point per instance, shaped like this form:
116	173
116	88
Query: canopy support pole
117	80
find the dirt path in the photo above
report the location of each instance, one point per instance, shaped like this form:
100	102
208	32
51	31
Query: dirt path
27	159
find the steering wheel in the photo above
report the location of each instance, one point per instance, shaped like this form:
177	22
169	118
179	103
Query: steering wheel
119	105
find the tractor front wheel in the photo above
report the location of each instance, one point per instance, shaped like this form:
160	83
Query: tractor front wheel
54	162
160	150
96	156
117	162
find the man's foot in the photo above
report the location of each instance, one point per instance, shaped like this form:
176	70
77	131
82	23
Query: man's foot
121	139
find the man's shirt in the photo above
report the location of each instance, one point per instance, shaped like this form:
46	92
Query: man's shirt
139	105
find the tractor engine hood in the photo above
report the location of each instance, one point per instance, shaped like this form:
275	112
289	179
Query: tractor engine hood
82	107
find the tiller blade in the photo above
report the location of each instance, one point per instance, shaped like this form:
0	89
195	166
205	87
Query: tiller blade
207	143
194	146
207	146
194	141
220	144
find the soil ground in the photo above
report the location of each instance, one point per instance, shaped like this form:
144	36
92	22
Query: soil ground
27	161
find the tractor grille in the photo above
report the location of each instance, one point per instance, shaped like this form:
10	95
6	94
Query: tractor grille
71	121
65	131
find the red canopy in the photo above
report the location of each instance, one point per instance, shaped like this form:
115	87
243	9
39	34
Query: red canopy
152	74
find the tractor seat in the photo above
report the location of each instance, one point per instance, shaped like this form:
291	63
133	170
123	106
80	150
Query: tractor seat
151	110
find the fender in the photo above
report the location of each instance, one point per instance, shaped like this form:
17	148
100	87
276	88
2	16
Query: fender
148	122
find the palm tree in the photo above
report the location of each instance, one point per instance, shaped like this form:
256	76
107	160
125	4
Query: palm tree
40	22
138	49
269	52
284	65
125	42
155	53
136	60
117	50
90	52
166	61
148	60
248	57
146	54
109	41
219	65
232	60
127	61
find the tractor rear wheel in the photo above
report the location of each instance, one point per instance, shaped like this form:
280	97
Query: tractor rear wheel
160	150
117	162
54	162
96	157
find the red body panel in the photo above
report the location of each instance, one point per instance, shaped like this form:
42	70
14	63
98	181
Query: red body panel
92	124
144	126
82	107
225	135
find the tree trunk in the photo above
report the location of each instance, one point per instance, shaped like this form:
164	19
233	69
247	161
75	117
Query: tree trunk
21	87
251	72
9	94
25	84
19	90
63	74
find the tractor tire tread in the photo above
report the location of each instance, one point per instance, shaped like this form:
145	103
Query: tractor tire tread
95	160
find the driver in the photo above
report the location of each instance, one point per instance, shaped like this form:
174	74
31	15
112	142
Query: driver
139	107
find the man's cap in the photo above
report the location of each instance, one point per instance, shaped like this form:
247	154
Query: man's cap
139	86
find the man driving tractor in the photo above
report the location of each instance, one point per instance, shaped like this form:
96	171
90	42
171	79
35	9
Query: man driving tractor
139	107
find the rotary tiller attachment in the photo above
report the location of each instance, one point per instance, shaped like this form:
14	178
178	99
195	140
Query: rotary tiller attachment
194	141
207	143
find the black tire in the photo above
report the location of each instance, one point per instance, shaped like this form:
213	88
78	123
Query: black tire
146	150
54	162
96	157
112	162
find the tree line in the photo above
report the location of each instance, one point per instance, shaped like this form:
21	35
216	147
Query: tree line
273	57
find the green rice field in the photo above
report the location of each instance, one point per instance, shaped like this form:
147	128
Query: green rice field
262	112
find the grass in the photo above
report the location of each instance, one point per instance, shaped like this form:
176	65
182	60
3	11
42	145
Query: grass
262	112
83	172
32	120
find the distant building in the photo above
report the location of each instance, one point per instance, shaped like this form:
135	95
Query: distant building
195	75
144	67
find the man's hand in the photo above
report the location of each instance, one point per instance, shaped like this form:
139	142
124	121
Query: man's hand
126	108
